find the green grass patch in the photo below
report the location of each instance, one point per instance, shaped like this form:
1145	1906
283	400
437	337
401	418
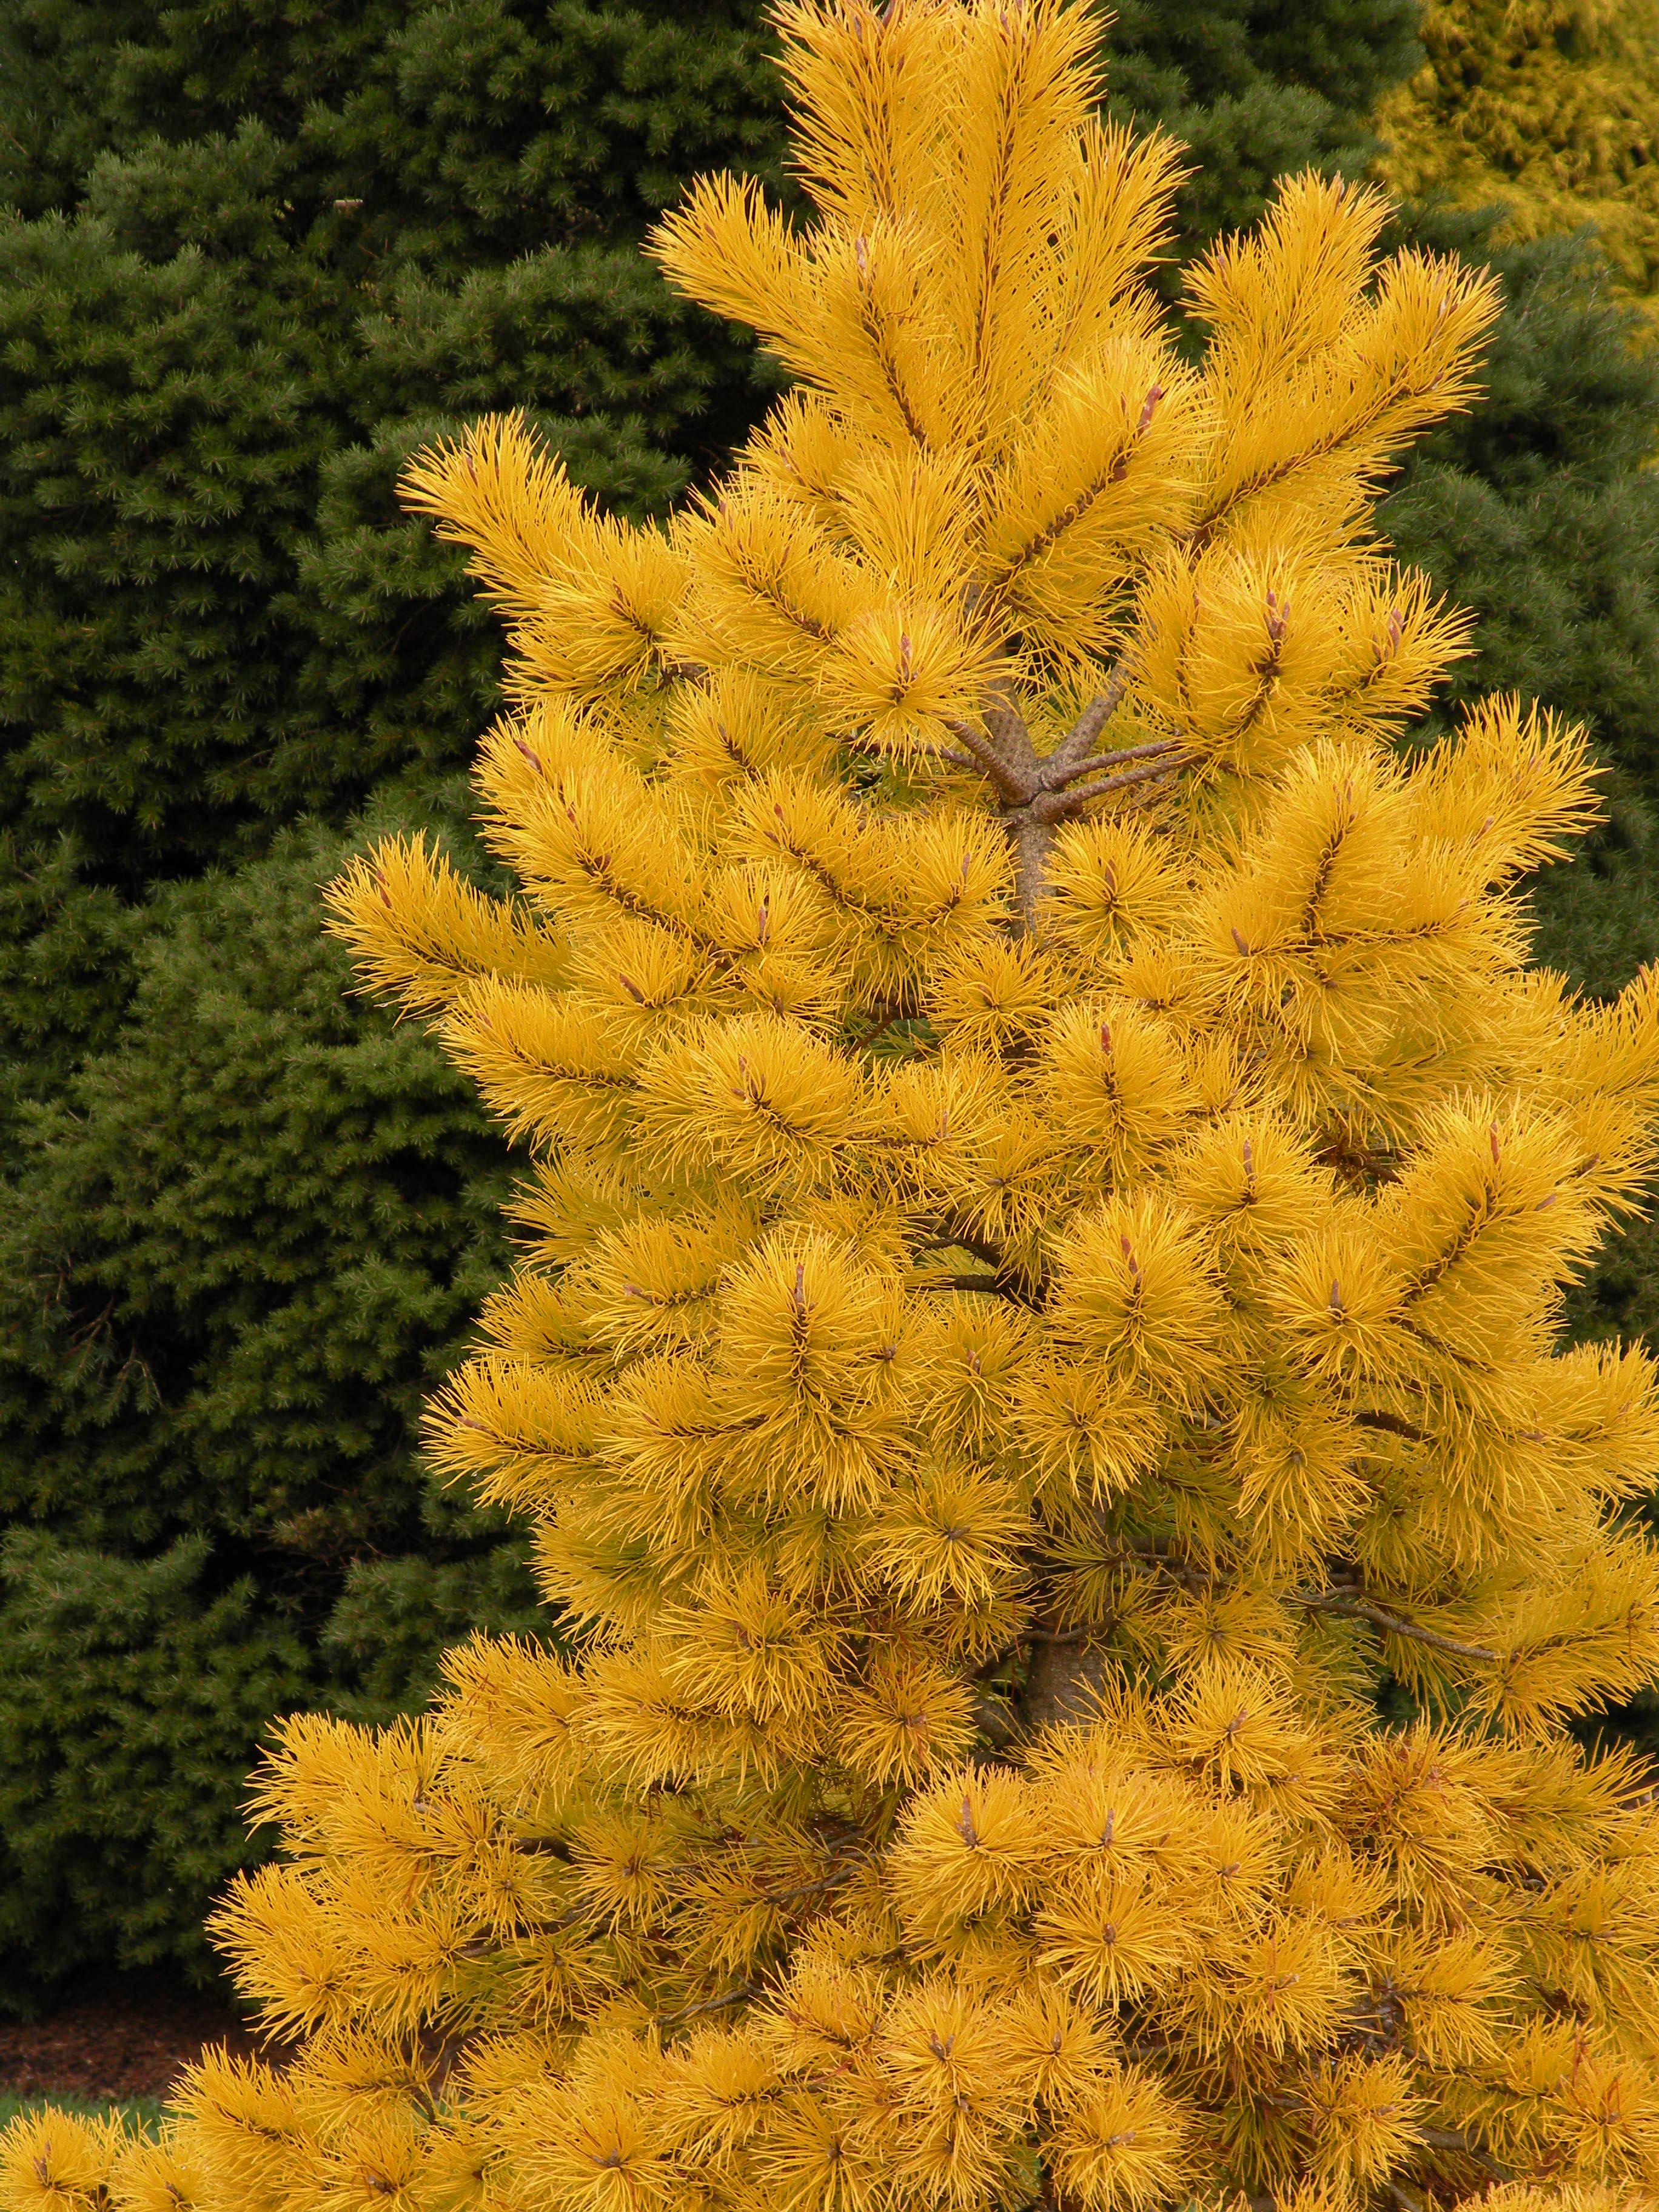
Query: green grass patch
137	2112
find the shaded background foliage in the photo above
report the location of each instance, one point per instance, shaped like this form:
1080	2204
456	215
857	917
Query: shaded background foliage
258	252
1551	106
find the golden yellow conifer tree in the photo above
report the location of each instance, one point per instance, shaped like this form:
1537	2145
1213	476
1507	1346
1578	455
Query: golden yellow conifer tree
1053	1183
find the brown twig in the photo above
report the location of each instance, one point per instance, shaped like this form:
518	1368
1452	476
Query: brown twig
1057	779
1079	741
712	2004
1080	795
946	1236
1037	794
1363	1608
833	1880
1390	1425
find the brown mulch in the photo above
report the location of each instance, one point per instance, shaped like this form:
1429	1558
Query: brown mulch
129	2039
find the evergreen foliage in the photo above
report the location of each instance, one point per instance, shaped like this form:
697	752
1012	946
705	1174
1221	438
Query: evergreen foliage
1054	1182
134	1687
261	254
1539	511
1549	106
243	1223
237	1250
211	621
1255	91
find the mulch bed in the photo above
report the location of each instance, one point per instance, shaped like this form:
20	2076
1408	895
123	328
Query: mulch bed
130	2039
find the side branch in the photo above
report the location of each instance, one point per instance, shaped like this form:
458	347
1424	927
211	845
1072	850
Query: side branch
1341	1604
1071	755
741	1996
988	1286
1037	794
1058	778
1158	760
1343	1607
947	1237
1005	775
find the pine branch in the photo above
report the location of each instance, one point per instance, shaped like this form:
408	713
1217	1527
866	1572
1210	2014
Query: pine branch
1005	773
849	1866
713	2004
1348	1605
1020	774
1362	1608
879	1027
441	2050
1057	779
1079	741
1073	802
1036	794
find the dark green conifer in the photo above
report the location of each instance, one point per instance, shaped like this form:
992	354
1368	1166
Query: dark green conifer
1540	512
1257	90
237	1249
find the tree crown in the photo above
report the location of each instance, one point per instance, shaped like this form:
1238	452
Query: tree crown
1054	1186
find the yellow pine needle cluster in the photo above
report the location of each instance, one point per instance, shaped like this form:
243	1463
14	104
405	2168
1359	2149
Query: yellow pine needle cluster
1052	1186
